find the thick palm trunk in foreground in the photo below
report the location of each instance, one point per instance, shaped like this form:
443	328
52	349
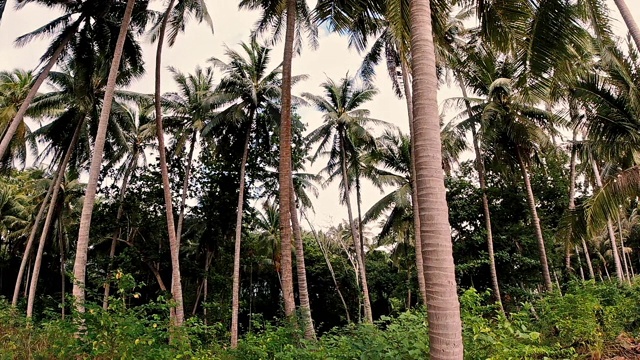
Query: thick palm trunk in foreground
48	222
414	193
174	246
22	111
485	201
305	306
80	263
628	20
443	308
235	298
284	167
357	242
536	223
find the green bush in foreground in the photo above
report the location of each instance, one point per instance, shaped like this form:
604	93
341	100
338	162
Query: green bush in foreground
579	324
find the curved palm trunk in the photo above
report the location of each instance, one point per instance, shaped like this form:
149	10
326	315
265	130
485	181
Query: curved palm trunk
443	307
235	300
579	262
174	246
32	236
80	263
284	167
328	261
22	111
628	20
48	222
485	202
414	193
536	223
116	233
185	186
305	305
357	242
612	235
587	257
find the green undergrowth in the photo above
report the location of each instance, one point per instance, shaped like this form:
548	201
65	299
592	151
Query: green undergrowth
585	322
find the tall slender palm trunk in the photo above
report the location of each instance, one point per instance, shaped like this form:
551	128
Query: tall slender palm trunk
284	167
235	298
357	242
80	263
612	234
587	257
624	257
572	182
579	263
33	91
536	222
305	305
48	222
118	231
408	95
185	186
485	201
628	20
443	307
329	266
174	246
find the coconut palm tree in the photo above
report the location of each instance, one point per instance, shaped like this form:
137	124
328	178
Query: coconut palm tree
443	308
78	24
80	263
629	21
345	126
175	15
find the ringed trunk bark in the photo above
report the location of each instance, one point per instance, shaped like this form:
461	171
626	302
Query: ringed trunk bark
443	307
284	167
629	21
305	305
235	300
406	80
80	263
357	242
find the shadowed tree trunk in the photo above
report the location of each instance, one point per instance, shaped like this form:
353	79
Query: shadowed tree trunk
406	80
536	222
80	263
443	307
22	111
235	298
48	222
357	242
305	306
479	163
284	167
174	246
629	21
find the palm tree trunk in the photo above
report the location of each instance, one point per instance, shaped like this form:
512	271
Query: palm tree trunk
612	235
572	180
328	261
33	91
32	236
360	257
628	20
443	307
406	80
185	186
80	263
305	305
579	262
587	257
116	233
235	300
485	202
284	167
536	223
624	257
358	208
48	222
205	286
176	286
63	277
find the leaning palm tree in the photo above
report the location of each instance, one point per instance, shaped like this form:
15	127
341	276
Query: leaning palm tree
345	125
82	247
175	15
629	21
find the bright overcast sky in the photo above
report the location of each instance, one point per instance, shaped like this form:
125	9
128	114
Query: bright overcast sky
332	59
